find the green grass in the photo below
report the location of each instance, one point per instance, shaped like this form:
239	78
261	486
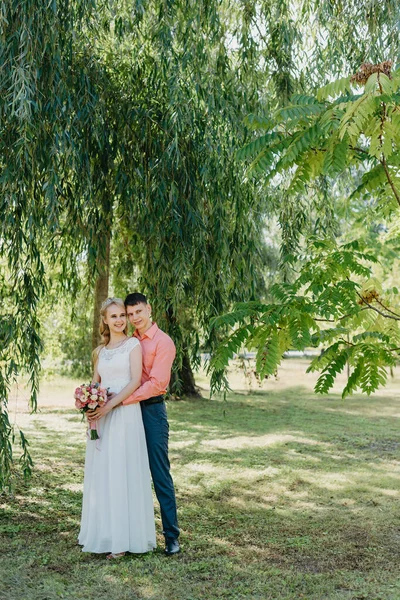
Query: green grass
281	495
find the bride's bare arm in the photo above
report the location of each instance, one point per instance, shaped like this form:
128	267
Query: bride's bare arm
95	357
135	360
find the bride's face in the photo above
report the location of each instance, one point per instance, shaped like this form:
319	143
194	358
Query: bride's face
115	318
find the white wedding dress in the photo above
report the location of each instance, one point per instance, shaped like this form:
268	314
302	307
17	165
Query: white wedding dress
117	511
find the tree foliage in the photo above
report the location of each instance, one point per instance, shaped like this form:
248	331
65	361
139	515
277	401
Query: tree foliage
333	303
41	124
179	202
120	120
322	136
334	130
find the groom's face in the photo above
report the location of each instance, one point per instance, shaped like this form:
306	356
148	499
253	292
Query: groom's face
139	316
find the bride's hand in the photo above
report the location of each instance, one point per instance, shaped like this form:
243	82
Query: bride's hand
99	413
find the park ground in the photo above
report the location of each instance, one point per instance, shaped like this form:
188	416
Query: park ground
282	495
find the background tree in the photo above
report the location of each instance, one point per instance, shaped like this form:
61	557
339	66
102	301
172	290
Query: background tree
41	117
313	137
191	213
110	113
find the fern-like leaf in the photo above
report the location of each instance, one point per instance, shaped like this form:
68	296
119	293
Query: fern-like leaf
354	380
336	157
256	122
334	89
327	379
258	145
268	357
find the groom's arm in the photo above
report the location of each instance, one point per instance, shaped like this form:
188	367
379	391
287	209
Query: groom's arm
160	373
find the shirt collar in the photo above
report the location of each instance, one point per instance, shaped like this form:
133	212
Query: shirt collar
150	333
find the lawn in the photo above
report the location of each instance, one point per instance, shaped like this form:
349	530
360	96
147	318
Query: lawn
281	495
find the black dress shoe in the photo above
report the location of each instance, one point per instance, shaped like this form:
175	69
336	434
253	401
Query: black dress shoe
172	547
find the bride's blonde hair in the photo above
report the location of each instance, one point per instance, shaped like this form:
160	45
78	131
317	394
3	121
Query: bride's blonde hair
104	328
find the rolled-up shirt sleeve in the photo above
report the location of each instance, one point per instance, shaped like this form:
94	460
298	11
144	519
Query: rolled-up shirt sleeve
160	373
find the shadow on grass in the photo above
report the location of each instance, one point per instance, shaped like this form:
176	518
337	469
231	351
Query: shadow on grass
279	495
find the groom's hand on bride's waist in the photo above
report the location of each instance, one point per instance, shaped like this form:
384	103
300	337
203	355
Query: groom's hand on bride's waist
111	395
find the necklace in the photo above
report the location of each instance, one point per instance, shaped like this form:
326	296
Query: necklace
118	345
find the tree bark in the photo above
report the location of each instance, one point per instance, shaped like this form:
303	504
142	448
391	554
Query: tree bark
185	374
182	380
101	288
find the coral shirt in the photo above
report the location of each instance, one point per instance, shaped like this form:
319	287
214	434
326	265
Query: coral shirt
158	355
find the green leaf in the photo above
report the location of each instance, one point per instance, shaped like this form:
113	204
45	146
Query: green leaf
354	380
334	88
268	357
335	366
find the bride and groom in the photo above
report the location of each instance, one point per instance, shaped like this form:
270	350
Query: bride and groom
117	511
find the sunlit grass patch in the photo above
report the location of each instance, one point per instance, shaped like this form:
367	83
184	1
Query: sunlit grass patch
281	495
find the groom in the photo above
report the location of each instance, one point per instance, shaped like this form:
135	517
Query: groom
158	355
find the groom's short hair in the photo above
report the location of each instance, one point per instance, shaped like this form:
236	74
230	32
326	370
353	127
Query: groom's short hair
135	298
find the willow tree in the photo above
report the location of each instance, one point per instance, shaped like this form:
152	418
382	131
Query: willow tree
48	104
194	221
71	141
112	112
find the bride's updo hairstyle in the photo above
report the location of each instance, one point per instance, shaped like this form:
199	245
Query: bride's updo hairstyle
104	329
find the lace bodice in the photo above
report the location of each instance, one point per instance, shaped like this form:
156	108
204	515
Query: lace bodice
114	367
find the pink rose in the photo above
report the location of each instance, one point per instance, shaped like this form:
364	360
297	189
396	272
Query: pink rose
79	404
78	393
92	404
93	397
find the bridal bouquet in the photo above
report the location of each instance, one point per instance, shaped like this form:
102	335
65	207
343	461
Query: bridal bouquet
89	396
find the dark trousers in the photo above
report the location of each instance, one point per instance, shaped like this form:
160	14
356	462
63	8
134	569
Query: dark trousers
157	433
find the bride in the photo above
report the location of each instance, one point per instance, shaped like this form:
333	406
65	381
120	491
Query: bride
117	511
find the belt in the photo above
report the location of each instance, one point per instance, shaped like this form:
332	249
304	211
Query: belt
154	400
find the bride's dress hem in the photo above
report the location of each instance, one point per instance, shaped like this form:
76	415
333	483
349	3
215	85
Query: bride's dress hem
151	547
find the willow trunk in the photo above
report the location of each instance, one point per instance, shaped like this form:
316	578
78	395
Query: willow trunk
101	288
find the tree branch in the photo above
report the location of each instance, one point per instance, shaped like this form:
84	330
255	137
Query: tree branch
346	342
359	150
383	159
344	316
377	309
386	308
395	192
